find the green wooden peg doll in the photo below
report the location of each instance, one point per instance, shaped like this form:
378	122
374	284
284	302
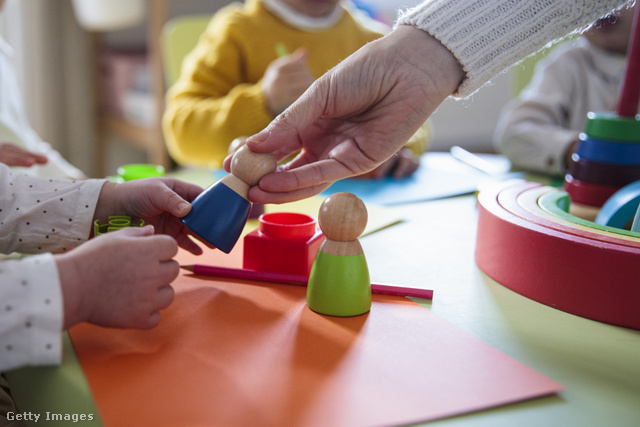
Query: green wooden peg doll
339	283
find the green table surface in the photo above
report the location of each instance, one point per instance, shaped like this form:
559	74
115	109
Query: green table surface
598	364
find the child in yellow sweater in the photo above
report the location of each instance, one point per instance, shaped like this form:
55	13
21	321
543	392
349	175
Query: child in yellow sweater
235	82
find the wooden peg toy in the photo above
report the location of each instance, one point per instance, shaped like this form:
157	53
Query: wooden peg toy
257	209
630	93
219	213
339	283
613	137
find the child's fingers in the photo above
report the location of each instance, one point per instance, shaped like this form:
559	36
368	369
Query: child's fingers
166	295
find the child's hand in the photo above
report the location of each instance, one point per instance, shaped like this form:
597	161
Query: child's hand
403	164
285	80
160	202
12	155
120	279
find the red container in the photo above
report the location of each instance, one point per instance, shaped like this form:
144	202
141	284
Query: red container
284	242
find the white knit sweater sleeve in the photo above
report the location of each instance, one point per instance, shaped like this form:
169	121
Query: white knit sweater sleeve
487	36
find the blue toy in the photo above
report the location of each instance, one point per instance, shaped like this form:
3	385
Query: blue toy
219	213
620	208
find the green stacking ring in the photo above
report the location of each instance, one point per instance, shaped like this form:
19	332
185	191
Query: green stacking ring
610	126
557	203
114	223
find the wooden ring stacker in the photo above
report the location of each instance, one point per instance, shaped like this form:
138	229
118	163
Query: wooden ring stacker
587	193
620	153
530	201
525	201
622	127
603	173
579	275
620	209
553	203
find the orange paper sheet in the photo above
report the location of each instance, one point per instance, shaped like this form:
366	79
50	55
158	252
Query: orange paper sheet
232	353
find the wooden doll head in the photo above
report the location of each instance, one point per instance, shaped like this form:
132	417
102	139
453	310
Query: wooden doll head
342	217
250	166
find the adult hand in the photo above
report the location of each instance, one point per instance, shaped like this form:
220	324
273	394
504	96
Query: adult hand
13	155
285	79
161	202
357	115
120	279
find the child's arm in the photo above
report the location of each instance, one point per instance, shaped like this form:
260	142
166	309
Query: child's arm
120	279
213	101
537	130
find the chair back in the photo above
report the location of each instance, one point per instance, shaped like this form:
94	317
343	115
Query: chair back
179	36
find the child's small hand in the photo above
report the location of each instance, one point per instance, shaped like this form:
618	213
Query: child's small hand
120	279
13	155
160	202
285	79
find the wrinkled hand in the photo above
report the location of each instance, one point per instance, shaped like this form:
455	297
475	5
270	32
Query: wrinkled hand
357	115
401	165
13	155
161	202
285	79
120	279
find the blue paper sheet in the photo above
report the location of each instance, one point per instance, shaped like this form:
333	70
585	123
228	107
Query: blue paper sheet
440	175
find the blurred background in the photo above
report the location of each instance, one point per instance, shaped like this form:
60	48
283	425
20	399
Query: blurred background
94	89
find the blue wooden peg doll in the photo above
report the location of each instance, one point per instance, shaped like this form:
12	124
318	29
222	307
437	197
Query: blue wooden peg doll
219	213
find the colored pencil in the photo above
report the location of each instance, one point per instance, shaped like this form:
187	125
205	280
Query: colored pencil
296	279
281	50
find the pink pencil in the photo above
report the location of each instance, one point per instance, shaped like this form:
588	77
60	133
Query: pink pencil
296	279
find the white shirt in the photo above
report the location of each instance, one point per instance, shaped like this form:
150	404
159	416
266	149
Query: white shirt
37	216
15	127
536	130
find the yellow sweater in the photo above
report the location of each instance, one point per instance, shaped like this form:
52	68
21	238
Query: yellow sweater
219	97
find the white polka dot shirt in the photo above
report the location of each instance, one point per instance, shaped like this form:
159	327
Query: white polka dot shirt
37	216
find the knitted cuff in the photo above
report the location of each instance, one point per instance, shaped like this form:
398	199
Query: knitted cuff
488	36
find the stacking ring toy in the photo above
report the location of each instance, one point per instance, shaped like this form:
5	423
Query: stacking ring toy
549	258
114	223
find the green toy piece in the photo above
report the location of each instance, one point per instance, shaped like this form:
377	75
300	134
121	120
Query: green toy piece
557	203
610	126
339	283
114	223
139	170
